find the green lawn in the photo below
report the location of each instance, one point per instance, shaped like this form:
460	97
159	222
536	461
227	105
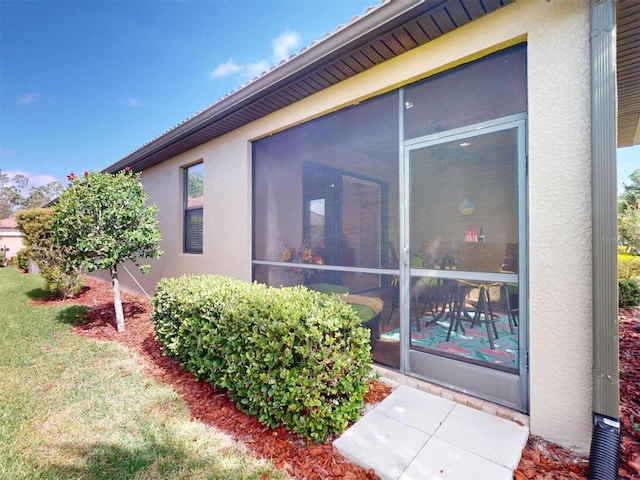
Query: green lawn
76	408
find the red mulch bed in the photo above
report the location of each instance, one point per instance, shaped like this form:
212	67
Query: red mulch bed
544	460
540	459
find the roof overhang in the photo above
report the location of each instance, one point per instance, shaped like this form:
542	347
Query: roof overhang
628	71
383	32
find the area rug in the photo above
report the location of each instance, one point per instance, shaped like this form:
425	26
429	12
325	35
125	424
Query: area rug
472	344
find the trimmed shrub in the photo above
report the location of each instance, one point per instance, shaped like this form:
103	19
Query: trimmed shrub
22	258
37	224
628	293
288	356
628	266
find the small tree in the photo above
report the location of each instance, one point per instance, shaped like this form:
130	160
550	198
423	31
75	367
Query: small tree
105	220
37	225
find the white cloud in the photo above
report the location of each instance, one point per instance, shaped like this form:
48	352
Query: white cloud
254	69
30	98
283	44
225	69
35	180
130	102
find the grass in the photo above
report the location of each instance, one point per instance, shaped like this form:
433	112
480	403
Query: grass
75	408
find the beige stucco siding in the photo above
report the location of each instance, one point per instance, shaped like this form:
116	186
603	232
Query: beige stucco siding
559	209
11	239
560	227
227	217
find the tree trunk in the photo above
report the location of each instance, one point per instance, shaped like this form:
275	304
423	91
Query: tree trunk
117	301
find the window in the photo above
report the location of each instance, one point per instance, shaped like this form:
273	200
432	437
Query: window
193	205
325	185
332	184
493	87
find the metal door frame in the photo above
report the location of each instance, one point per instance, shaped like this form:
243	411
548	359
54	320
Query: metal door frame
511	390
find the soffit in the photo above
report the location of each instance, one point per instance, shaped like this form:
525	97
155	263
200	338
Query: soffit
628	71
382	33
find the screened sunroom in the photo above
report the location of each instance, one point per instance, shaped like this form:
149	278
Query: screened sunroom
415	197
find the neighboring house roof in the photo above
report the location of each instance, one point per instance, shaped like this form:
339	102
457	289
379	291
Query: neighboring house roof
381	33
8	223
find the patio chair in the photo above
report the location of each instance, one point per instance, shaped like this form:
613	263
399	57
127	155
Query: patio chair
477	257
419	294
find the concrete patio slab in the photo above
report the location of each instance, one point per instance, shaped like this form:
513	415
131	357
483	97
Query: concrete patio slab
410	406
373	442
485	435
441	460
415	435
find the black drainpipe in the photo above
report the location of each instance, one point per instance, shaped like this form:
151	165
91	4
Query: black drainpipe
604	457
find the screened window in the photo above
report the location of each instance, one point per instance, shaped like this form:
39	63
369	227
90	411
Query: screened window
326	196
193	206
493	87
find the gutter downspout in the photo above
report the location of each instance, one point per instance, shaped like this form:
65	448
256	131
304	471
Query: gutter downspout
136	282
605	442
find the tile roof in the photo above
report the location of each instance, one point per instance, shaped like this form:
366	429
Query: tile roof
8	223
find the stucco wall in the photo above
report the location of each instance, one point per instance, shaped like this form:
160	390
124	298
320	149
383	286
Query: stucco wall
560	227
12	240
227	217
559	208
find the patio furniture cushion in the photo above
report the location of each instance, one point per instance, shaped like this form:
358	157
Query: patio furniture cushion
368	309
375	304
327	288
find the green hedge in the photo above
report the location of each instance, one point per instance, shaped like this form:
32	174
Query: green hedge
628	274
22	258
628	266
37	226
628	293
288	356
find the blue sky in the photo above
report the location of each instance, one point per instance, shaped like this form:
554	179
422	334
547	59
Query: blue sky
85	82
628	161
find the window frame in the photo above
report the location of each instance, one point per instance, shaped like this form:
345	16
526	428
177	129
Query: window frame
189	210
